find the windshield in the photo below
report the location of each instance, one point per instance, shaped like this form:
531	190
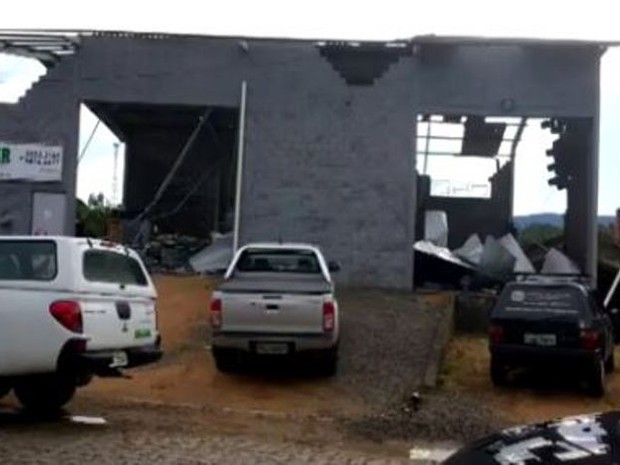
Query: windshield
279	261
110	267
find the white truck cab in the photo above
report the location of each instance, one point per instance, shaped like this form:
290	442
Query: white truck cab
71	308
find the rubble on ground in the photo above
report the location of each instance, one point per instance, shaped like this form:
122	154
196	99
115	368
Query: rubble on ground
170	253
215	257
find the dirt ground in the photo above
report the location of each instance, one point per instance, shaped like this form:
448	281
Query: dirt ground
187	375
465	370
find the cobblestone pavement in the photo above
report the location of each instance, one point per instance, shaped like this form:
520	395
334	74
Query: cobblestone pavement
171	437
120	448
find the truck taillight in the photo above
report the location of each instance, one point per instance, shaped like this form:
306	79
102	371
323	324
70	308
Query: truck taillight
329	316
496	334
590	339
68	313
216	313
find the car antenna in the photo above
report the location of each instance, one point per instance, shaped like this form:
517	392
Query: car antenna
89	242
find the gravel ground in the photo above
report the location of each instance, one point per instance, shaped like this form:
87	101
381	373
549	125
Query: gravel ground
385	348
438	417
385	353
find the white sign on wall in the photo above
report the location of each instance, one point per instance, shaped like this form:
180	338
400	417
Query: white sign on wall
32	162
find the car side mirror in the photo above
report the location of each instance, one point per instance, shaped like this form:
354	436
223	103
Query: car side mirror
333	267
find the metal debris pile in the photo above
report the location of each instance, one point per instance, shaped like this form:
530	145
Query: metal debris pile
478	264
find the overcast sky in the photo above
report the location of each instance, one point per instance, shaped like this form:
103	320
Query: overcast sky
388	19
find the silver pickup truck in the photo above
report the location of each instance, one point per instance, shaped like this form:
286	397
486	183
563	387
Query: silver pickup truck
276	300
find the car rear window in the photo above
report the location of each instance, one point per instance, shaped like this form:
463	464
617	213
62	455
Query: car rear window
279	261
557	300
28	260
111	267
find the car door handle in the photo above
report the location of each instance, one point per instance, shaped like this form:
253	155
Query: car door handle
272	307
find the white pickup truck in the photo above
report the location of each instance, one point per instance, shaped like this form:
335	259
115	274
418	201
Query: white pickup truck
71	308
276	300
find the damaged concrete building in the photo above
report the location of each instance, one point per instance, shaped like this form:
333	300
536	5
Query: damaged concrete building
328	133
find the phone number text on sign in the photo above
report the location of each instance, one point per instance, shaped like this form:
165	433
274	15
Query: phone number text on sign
45	158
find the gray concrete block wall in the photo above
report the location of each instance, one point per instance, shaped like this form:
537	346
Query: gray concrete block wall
48	113
542	80
326	162
333	165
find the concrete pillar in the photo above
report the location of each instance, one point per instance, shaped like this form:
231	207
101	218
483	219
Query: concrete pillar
581	221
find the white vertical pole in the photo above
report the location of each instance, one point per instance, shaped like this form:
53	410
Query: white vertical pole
612	290
240	152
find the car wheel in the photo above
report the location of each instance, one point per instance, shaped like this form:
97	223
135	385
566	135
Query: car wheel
499	373
45	393
597	379
328	362
4	390
610	363
225	359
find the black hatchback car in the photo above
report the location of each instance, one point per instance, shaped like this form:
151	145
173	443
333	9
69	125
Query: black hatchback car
551	321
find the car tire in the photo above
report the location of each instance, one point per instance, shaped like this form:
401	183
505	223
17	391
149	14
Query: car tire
225	360
596	382
328	362
498	372
610	363
45	393
4	390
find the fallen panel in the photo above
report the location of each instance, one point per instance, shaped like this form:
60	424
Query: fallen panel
437	266
557	262
440	252
496	261
214	258
522	264
436	227
471	250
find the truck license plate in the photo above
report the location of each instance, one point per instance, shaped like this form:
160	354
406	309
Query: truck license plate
119	359
546	340
271	348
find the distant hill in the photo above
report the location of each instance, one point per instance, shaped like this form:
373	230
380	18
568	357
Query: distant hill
554	219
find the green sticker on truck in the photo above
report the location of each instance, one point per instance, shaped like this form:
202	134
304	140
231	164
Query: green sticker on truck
142	333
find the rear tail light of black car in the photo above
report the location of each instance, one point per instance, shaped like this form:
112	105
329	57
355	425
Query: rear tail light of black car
329	316
216	313
590	339
496	334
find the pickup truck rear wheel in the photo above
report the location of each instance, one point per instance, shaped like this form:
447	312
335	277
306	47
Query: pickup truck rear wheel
45	393
4	389
498	372
596	381
610	363
225	359
328	362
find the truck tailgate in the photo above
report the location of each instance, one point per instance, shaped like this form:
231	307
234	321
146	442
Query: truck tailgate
116	322
272	313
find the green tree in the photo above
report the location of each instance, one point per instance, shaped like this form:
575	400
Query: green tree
93	215
539	234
